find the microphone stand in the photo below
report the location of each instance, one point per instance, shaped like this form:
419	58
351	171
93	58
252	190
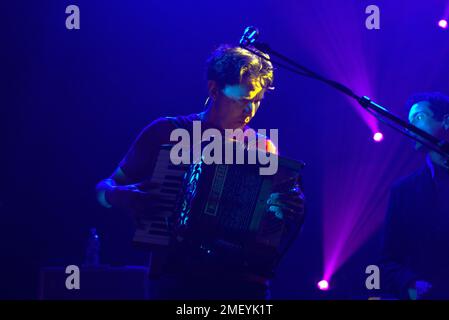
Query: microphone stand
381	113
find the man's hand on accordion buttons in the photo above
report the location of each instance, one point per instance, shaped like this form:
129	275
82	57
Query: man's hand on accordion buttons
136	198
288	206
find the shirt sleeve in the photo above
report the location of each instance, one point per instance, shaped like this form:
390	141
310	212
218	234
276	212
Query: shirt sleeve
139	160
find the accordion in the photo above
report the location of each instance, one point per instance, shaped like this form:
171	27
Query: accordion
218	212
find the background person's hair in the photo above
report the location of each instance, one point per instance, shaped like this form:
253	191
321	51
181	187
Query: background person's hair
229	65
439	103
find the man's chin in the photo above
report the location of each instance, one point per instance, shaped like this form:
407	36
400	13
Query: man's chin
241	124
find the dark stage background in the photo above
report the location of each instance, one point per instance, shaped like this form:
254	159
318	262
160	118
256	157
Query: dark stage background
72	102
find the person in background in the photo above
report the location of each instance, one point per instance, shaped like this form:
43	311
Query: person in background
237	80
415	255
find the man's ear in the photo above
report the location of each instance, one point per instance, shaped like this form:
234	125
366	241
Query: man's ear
212	87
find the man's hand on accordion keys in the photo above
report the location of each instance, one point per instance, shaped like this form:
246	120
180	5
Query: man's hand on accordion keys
287	206
135	198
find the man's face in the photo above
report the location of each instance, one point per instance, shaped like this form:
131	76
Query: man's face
237	104
422	116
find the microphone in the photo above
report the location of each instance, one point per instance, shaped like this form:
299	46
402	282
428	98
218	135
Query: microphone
249	36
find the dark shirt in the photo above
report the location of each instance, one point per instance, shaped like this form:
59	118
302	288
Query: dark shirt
416	237
139	161
187	276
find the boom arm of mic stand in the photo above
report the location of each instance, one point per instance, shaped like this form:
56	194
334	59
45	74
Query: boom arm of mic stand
302	69
440	146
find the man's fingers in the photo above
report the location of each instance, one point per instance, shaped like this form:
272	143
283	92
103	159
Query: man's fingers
286	214
150	196
147	185
277	212
286	203
296	196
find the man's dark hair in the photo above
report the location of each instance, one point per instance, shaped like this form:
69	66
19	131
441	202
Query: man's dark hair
229	65
439	103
